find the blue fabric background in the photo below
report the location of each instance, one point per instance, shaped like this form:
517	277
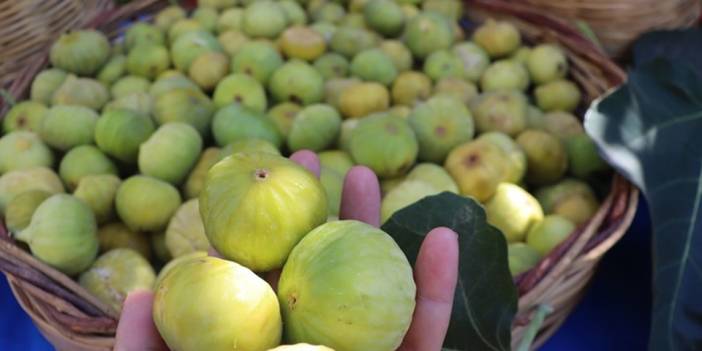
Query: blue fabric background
614	315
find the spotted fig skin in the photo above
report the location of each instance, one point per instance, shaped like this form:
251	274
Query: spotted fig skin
241	311
335	282
257	206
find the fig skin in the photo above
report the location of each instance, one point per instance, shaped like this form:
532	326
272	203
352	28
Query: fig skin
235	122
196	180
434	175
165	18
240	89
119	133
514	211
362	99
336	160
497	38
375	66
232	41
426	33
65	127
184	26
83	161
315	128
191	45
20	209
410	88
384	143
24	116
257	59
186	232
236	190
385	17
521	257
332	65
249	145
175	262
81	92
208	69
113	70
457	88
116	235
242	306
264	19
81	52
546	63
128	85
218	4
159	248
584	160
16	182
141	33
502	111
63	234
207	16
302	43
187	106
98	192
478	167
561	124
475	60
517	158
349	41
170	153
230	20
148	60
283	115
165	84
117	273
558	95
298	82
301	347
443	64
146	204
294	12
369	273
505	75
404	194
549	233
22	150
547	159
571	199
46	83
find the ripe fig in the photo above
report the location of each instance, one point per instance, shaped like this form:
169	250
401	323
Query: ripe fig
546	63
385	17
116	235
115	274
426	33
185	232
170	153
434	175
264	19
184	26
301	347
65	127
46	83
332	65
24	116
404	194
374	65
457	88
362	255
302	43
505	75
549	233
83	161
165	84
191	45
384	143
98	192
294	12
283	115
315	128
475	60
249	145
232	41
186	106
63	234
236	190
398	53
336	160
20	209
563	125
16	182
22	150
113	70
478	167
571	199
81	52
498	38
165	18
501	111
196	180
129	85
349	41
241	305
207	16
547	159
235	122
145	203
119	133
442	64
230	20
143	33
440	124
298	82
257	59
148	60
517	166
514	211
333	89
175	262
522	258
81	92
360	100
241	89
558	95
584	160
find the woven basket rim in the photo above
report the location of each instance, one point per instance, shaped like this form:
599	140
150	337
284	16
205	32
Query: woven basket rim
583	249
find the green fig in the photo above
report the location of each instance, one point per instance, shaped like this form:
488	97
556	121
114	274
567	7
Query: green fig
522	56
20	209
347	127
115	274
24	116
398	53
522	258
558	95
236	190
159	248
547	63
81	52
257	59
208	69
249	145
217	5
505	75
498	38
185	232
175	263
81	92
301	347
21	150
98	191
164	85
404	194
549	233
457	88
230	20
207	16
170	152
478	167
384	143
113	70
547	158
315	128
563	125
140	33
232	41
336	160
119	133
502	111
65	127
569	198
385	17
426	33
16	182
302	43
349	41
264	19
139	103
332	65
196	179
327	30
443	64
184	26
129	85
440	124
83	161
236	122
145	203
584	160
513	211
148	60
434	175
117	236
334	88
374	65
241	89
410	88
62	234
360	100
517	166
187	106
283	115
298	82
294	12
46	83
165	18
191	45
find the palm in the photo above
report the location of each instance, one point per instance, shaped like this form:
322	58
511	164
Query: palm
435	272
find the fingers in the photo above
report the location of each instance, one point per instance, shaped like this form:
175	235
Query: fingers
360	198
307	159
136	330
436	274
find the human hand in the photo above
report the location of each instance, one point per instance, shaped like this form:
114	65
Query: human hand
435	273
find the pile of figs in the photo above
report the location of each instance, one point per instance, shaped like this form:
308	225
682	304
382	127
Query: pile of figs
137	154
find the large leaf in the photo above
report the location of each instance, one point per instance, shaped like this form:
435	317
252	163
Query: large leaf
650	129
680	45
485	300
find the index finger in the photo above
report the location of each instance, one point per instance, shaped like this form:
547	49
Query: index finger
360	197
136	330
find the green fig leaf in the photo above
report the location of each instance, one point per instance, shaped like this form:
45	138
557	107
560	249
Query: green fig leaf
649	130
680	44
485	300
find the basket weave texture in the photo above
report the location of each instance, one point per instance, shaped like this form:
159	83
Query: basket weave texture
617	23
72	319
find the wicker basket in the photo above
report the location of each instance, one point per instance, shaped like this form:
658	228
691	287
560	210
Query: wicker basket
73	320
617	23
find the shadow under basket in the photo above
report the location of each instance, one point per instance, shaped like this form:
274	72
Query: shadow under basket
72	319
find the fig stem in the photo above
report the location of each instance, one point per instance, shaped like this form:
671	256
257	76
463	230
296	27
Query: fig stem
21	235
9	99
533	328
